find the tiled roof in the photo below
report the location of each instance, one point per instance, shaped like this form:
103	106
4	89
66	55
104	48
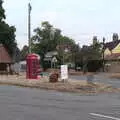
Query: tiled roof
4	55
112	45
50	54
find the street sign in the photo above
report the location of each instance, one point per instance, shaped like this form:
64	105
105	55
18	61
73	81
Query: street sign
64	72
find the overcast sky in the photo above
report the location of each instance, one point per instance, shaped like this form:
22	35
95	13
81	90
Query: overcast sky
79	19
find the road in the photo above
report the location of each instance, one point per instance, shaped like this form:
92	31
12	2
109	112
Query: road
34	104
101	77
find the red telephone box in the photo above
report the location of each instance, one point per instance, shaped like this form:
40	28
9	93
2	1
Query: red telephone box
33	65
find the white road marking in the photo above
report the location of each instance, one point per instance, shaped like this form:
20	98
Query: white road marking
104	116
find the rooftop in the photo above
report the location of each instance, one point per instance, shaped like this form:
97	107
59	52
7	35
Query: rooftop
4	55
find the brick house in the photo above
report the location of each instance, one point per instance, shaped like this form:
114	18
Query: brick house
112	50
112	56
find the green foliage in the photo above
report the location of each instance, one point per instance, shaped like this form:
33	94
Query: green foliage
7	33
89	53
94	65
2	11
66	50
92	52
42	42
47	38
24	52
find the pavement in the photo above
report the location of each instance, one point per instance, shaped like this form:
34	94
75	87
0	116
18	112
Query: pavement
34	104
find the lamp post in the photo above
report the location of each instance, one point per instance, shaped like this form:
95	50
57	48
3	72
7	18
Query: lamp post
103	54
29	26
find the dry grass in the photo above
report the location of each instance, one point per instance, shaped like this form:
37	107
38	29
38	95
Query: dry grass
68	86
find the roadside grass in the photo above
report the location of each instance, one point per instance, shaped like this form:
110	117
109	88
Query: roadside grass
73	86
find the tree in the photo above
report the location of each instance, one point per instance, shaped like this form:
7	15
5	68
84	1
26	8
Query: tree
115	37
42	38
24	52
89	54
47	38
2	11
7	33
92	52
95	40
66	49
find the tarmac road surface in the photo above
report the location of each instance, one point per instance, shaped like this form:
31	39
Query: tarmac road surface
35	104
101	77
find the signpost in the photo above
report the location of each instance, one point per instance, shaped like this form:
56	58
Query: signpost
64	72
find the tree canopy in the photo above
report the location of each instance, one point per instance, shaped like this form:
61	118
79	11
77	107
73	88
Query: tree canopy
2	11
88	54
7	33
92	52
48	38
24	52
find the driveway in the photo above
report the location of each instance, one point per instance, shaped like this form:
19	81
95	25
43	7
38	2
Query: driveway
34	104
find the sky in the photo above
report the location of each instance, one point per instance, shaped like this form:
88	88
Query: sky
78	19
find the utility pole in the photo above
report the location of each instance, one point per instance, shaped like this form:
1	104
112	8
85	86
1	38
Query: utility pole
29	26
